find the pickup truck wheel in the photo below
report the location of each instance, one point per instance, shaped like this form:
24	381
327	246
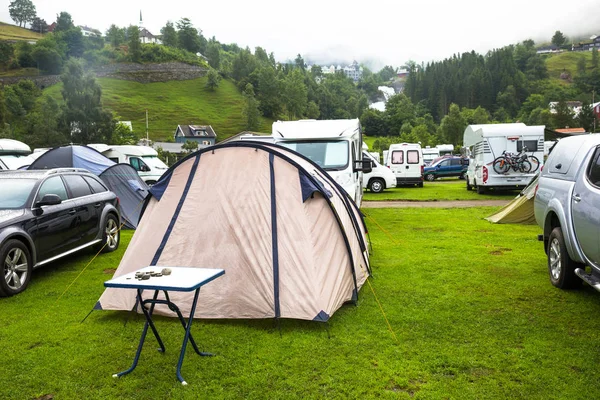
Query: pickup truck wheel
15	268
560	266
480	189
376	186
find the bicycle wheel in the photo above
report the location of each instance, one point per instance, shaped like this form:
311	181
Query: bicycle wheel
525	166
501	165
535	163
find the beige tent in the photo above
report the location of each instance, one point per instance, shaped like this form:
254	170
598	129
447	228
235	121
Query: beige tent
520	209
291	241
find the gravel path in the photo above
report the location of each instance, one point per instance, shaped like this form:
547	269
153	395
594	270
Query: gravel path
434	204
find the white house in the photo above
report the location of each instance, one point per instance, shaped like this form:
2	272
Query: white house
87	31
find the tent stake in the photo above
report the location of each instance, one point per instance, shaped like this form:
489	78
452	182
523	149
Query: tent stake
88	314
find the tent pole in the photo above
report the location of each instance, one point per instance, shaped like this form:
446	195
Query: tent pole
88	314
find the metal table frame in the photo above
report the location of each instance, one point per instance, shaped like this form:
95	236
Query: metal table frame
155	285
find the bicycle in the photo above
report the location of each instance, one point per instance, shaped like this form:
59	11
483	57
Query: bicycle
518	162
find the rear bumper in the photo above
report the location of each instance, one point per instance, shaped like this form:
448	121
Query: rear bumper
408	181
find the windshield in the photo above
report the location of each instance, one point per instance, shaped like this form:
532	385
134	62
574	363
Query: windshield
17	196
154	162
14	161
329	155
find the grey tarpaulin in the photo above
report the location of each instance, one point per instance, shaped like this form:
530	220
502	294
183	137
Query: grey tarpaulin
124	181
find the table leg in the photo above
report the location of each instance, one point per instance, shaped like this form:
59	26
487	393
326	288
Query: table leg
175	309
148	316
186	337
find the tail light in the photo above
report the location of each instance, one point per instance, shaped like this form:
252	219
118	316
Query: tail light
422	171
485	174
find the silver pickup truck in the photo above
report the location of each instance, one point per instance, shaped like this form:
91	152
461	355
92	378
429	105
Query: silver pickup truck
567	208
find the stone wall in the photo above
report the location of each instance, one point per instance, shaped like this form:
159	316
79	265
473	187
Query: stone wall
142	73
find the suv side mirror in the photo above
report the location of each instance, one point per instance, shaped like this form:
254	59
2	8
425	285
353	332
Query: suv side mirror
49	200
363	165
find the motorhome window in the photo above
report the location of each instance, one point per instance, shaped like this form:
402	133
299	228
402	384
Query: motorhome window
114	159
19	192
594	169
78	186
398	157
532	145
53	185
412	156
329	155
138	164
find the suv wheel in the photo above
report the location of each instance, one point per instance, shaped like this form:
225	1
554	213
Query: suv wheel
111	235
16	268
376	186
560	266
430	177
462	175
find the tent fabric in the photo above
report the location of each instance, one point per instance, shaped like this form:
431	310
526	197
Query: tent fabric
242	206
520	210
124	181
73	156
121	179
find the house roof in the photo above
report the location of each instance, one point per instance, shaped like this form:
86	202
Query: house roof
196	131
146	33
570	130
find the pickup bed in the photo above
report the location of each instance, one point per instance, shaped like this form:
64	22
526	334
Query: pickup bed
567	208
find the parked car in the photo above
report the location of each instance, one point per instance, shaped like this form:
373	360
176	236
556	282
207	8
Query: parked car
446	167
566	208
380	177
48	214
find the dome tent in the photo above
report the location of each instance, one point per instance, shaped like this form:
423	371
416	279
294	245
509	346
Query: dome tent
291	241
121	179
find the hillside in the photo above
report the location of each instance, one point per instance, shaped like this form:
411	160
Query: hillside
567	61
173	103
12	32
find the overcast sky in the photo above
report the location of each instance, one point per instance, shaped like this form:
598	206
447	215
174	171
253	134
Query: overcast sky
377	32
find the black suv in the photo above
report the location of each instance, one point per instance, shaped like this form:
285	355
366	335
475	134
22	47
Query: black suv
47	214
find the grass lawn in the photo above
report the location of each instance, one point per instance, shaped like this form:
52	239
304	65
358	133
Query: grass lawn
12	32
470	303
557	63
173	103
444	189
20	72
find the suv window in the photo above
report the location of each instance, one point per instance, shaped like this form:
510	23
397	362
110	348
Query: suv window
53	185
77	185
444	163
412	156
97	187
398	157
456	161
594	168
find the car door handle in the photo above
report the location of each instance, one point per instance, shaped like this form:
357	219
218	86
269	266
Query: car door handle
72	212
407	167
576	198
97	205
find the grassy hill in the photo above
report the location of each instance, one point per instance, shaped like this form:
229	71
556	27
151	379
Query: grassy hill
173	103
567	61
12	32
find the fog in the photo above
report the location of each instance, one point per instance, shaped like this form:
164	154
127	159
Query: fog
375	33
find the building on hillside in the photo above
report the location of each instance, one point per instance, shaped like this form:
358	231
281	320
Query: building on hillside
175	151
51	27
548	49
204	135
88	32
593	43
145	35
575	106
353	71
401	74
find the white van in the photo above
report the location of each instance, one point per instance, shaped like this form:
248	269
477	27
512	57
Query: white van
380	177
430	154
335	145
488	142
143	159
406	162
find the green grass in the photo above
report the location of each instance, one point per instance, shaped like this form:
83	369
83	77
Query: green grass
173	103
566	61
20	72
12	32
470	303
441	189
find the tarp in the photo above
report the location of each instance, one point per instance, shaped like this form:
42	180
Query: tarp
121	179
291	241
124	181
520	209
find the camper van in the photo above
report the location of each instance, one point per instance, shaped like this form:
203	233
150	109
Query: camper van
488	142
143	159
335	145
445	149
430	154
406	162
14	154
380	177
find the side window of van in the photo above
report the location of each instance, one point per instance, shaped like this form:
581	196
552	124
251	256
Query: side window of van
398	157
594	169
412	156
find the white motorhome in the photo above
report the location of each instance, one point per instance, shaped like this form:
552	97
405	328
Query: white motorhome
14	154
445	149
430	154
380	177
143	159
406	162
335	145
488	142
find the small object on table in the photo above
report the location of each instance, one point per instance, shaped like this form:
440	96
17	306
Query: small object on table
180	279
